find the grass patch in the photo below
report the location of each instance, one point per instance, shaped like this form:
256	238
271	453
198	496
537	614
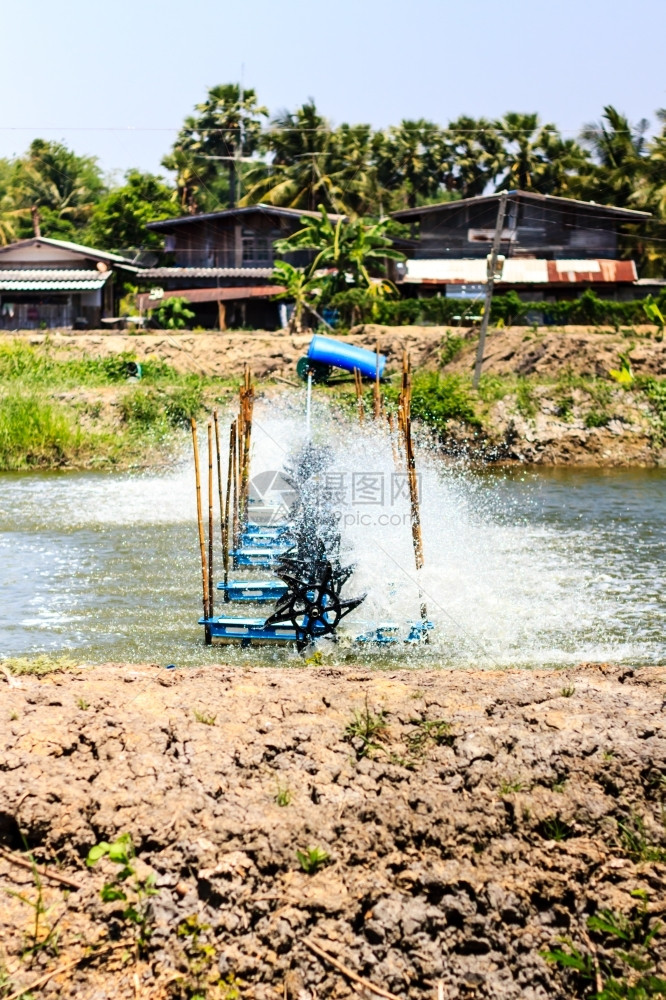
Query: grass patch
40	429
597	418
526	401
635	842
365	730
205	718
38	666
438	399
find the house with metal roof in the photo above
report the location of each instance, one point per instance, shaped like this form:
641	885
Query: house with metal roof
222	264
554	247
47	283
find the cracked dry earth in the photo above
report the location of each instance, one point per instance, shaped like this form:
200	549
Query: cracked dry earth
457	855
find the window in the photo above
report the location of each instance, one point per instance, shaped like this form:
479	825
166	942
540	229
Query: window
257	250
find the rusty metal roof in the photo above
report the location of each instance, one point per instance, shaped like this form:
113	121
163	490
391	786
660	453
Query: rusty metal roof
556	200
520	271
207	272
211	294
53	279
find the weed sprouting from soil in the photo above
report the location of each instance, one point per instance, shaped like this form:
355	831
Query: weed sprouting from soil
554	828
628	966
283	796
635	843
510	787
205	718
43	936
312	859
365	730
126	886
427	733
567	692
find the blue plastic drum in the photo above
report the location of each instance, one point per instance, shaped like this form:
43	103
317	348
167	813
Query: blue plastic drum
327	351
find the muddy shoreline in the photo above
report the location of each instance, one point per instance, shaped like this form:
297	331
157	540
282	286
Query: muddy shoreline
471	821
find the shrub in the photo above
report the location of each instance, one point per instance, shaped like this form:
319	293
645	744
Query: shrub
141	407
437	399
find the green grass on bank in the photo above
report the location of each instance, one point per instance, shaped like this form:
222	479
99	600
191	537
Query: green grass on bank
440	399
52	417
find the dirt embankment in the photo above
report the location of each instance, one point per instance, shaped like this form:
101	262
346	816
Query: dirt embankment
515	350
541	409
471	821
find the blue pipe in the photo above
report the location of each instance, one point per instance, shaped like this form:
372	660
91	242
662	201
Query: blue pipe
328	351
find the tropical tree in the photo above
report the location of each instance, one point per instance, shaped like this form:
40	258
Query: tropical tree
412	161
53	190
225	130
7	208
352	252
118	221
650	195
535	157
299	288
475	153
299	147
619	152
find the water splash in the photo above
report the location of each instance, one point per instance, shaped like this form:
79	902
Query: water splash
522	568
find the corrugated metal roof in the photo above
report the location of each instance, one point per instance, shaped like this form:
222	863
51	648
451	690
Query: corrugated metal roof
289	213
75	247
520	271
592	206
207	272
51	279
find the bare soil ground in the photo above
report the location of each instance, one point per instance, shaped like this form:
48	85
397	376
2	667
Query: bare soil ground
471	821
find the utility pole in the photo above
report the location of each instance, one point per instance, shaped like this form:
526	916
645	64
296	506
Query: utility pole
490	284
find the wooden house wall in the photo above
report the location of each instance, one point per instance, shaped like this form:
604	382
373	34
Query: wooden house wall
531	229
228	242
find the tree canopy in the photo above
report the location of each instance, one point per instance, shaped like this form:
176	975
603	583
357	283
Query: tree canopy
229	151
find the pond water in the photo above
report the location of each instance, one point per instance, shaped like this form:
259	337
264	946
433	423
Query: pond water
522	567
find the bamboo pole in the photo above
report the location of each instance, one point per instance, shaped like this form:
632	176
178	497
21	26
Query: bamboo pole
377	391
210	520
247	407
358	385
394	444
236	534
202	542
219	479
405	426
228	528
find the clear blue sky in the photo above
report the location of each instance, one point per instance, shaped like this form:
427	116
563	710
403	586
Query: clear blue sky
115	79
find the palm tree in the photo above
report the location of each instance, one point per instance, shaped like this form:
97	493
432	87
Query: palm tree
474	155
226	128
619	150
535	157
412	160
55	188
299	145
650	195
356	187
